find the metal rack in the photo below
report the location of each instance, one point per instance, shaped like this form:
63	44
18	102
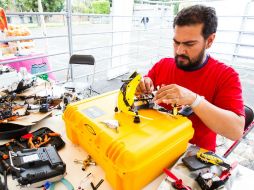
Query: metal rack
157	36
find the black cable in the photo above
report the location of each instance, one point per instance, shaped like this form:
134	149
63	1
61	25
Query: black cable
1	184
98	185
6	168
5	180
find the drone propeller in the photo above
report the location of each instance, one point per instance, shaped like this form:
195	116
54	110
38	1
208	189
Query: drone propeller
178	183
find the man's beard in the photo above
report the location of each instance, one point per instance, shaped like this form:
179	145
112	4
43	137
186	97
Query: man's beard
191	64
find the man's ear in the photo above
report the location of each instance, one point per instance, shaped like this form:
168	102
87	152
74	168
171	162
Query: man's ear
210	40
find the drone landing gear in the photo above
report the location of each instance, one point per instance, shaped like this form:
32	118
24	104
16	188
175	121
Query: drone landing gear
136	117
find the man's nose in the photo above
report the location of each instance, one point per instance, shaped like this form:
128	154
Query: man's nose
180	49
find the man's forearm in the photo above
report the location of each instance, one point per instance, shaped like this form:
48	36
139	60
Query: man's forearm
223	122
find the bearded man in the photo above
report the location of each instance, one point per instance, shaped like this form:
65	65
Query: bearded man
194	79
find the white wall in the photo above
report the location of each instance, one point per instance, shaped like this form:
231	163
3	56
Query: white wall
122	10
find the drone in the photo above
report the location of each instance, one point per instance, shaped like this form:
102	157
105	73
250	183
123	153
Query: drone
70	95
8	108
43	104
23	85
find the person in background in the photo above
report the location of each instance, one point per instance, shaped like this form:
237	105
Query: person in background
145	21
193	78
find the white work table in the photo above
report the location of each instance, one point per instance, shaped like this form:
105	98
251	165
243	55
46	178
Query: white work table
70	152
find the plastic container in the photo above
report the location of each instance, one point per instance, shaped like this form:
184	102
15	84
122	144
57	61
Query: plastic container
135	154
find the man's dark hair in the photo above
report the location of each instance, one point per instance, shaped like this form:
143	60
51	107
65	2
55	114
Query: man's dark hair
198	14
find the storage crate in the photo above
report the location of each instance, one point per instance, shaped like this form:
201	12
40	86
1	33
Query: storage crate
135	154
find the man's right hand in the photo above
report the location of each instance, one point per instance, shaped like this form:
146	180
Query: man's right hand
145	86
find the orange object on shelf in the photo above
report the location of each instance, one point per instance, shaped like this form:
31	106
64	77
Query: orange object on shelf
16	30
3	20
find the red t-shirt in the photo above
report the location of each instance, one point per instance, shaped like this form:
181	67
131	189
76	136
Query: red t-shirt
217	82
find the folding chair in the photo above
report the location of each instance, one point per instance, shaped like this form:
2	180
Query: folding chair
82	60
249	124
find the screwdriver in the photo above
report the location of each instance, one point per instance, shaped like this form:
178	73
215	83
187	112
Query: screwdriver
211	157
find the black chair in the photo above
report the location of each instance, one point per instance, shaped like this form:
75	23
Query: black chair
249	115
82	60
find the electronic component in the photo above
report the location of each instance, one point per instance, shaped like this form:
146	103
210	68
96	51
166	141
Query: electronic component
209	181
36	166
23	85
8	78
193	163
86	163
185	111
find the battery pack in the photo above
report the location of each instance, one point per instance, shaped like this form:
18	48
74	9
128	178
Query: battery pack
34	167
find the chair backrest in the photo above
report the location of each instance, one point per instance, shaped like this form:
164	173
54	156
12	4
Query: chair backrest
249	116
82	59
76	59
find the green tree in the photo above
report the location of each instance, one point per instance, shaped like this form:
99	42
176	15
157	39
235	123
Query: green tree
5	4
138	1
101	7
48	5
78	6
176	8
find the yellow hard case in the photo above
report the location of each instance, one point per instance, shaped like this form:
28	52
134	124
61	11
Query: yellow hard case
134	154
